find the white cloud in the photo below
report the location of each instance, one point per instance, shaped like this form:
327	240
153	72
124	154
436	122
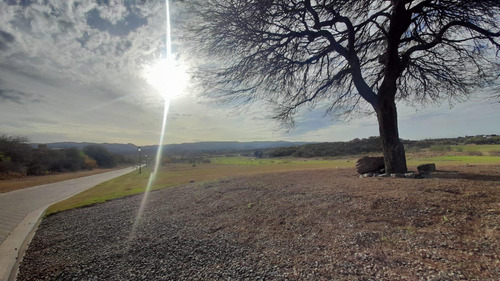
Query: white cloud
88	79
114	12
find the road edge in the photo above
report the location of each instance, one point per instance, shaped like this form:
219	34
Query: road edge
13	248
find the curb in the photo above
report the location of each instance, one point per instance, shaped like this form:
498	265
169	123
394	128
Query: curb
13	248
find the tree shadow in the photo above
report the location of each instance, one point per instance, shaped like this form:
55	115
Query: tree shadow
461	175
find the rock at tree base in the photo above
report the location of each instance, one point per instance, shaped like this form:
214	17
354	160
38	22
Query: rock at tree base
367	164
426	168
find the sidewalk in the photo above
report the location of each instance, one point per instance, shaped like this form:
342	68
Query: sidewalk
21	210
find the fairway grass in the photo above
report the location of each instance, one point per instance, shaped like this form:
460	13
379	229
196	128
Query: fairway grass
224	167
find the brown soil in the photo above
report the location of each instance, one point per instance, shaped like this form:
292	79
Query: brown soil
24	182
300	225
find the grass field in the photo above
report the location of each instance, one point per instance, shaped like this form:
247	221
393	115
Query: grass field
177	174
457	160
224	167
486	149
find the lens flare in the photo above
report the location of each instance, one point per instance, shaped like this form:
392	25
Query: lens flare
169	79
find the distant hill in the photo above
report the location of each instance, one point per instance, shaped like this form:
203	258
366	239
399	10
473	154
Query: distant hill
276	148
180	149
228	146
373	145
116	148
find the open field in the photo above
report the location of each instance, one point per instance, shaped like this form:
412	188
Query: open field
474	150
224	167
324	224
177	174
447	160
14	184
441	155
486	148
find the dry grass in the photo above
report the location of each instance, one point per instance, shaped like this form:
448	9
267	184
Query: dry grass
331	225
326	224
24	182
178	174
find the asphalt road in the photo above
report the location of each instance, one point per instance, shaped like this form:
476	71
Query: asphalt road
25	206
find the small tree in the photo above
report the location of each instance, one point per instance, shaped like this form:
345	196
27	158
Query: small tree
15	153
348	54
101	155
258	154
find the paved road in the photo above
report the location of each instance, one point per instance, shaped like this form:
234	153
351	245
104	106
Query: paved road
25	206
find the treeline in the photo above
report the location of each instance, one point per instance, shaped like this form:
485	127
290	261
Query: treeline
18	158
330	149
372	145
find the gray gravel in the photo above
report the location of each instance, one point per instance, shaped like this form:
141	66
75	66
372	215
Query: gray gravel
96	243
300	225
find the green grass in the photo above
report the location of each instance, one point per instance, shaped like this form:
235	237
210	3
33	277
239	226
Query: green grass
484	149
457	160
248	161
224	167
178	174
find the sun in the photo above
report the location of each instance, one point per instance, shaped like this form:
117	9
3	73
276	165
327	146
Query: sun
167	76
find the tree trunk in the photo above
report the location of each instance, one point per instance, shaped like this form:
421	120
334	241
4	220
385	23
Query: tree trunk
385	107
394	151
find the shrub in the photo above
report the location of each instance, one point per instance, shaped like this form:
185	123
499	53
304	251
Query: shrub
494	153
101	155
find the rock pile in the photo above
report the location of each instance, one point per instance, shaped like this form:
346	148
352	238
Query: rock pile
409	175
369	167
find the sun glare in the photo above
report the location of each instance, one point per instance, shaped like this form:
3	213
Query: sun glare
168	77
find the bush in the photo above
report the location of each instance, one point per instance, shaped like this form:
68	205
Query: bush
37	170
88	163
101	155
14	154
494	153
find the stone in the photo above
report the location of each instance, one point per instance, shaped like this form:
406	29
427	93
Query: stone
397	175
367	175
426	168
367	164
410	175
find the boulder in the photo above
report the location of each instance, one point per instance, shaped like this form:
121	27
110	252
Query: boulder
426	168
367	164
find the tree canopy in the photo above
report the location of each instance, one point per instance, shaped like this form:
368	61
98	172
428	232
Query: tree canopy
348	55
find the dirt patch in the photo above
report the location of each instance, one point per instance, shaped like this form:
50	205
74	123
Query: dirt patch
300	225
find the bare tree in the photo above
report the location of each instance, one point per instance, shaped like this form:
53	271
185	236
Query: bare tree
348	54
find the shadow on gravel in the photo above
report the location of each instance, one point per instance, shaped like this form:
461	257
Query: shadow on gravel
464	176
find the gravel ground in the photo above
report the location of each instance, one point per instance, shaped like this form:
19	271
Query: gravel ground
302	225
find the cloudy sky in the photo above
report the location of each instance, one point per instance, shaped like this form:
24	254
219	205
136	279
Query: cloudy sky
73	70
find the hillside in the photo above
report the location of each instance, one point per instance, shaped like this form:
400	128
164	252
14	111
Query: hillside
281	148
179	149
